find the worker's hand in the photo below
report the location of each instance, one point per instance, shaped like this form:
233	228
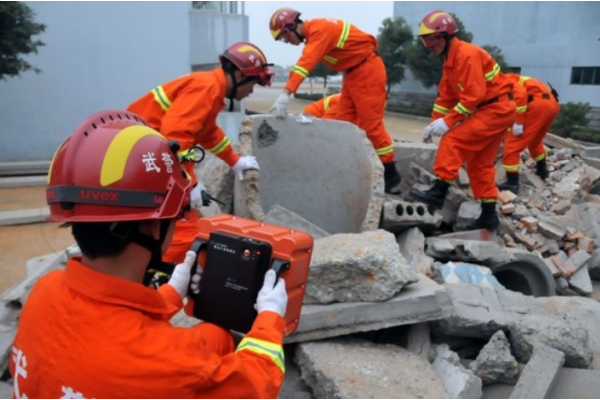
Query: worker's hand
438	127
517	130
244	163
195	280
180	279
196	195
272	298
281	105
427	138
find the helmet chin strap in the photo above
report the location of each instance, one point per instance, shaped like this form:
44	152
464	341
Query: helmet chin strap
236	85
154	246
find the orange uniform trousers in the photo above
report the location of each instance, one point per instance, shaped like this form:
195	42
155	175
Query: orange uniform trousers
476	142
540	115
362	103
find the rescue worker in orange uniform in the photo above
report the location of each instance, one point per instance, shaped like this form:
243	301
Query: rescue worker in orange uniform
473	111
326	108
537	108
186	110
94	330
344	48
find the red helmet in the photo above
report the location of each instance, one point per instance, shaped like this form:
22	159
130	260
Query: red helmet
437	21
281	21
116	168
250	60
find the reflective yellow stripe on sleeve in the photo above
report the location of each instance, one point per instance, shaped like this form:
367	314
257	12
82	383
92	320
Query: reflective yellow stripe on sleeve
439	109
330	59
523	79
327	102
385	150
161	98
271	350
187	155
493	73
540	157
459	108
344	36
300	71
522	109
222	145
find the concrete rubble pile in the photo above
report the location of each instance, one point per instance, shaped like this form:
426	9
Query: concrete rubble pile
401	301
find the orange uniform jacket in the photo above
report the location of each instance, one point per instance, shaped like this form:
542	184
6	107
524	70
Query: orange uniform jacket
186	110
470	77
338	44
527	89
324	108
84	334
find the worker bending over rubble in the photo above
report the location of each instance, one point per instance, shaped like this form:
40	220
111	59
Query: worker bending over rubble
186	110
344	48
326	108
473	112
537	108
94	330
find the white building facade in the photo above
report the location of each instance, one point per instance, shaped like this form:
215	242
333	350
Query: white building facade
103	55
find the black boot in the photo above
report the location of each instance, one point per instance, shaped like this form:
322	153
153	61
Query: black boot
542	169
512	182
488	218
391	178
435	196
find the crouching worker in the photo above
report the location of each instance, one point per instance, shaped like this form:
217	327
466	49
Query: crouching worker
93	330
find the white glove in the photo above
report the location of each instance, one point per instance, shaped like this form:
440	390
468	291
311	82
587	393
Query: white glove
517	130
180	279
281	105
196	195
195	281
244	163
303	119
438	127
272	298
427	138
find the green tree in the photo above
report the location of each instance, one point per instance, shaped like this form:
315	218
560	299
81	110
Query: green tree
572	116
17	26
394	36
426	67
496	53
321	71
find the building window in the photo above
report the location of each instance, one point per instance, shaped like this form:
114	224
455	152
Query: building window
514	70
585	76
223	7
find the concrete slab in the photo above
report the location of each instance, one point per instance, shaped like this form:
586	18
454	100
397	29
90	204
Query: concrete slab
420	302
539	374
21	217
281	216
327	172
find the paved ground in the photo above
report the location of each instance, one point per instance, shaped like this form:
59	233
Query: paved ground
20	243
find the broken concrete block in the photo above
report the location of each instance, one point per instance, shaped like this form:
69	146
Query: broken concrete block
399	215
531	223
561	207
525	273
469	274
357	267
567	335
477	234
594	264
278	215
331	162
587	217
419	339
551	229
579	259
356	369
468	212
530	178
421	175
506	196
552	267
412	247
586	244
420	302
473	251
539	374
460	382
581	282
495	363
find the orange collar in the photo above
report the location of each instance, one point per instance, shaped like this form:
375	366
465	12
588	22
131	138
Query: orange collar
220	77
112	290
454	44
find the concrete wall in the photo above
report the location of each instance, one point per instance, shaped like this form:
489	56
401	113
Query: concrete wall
545	39
101	55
